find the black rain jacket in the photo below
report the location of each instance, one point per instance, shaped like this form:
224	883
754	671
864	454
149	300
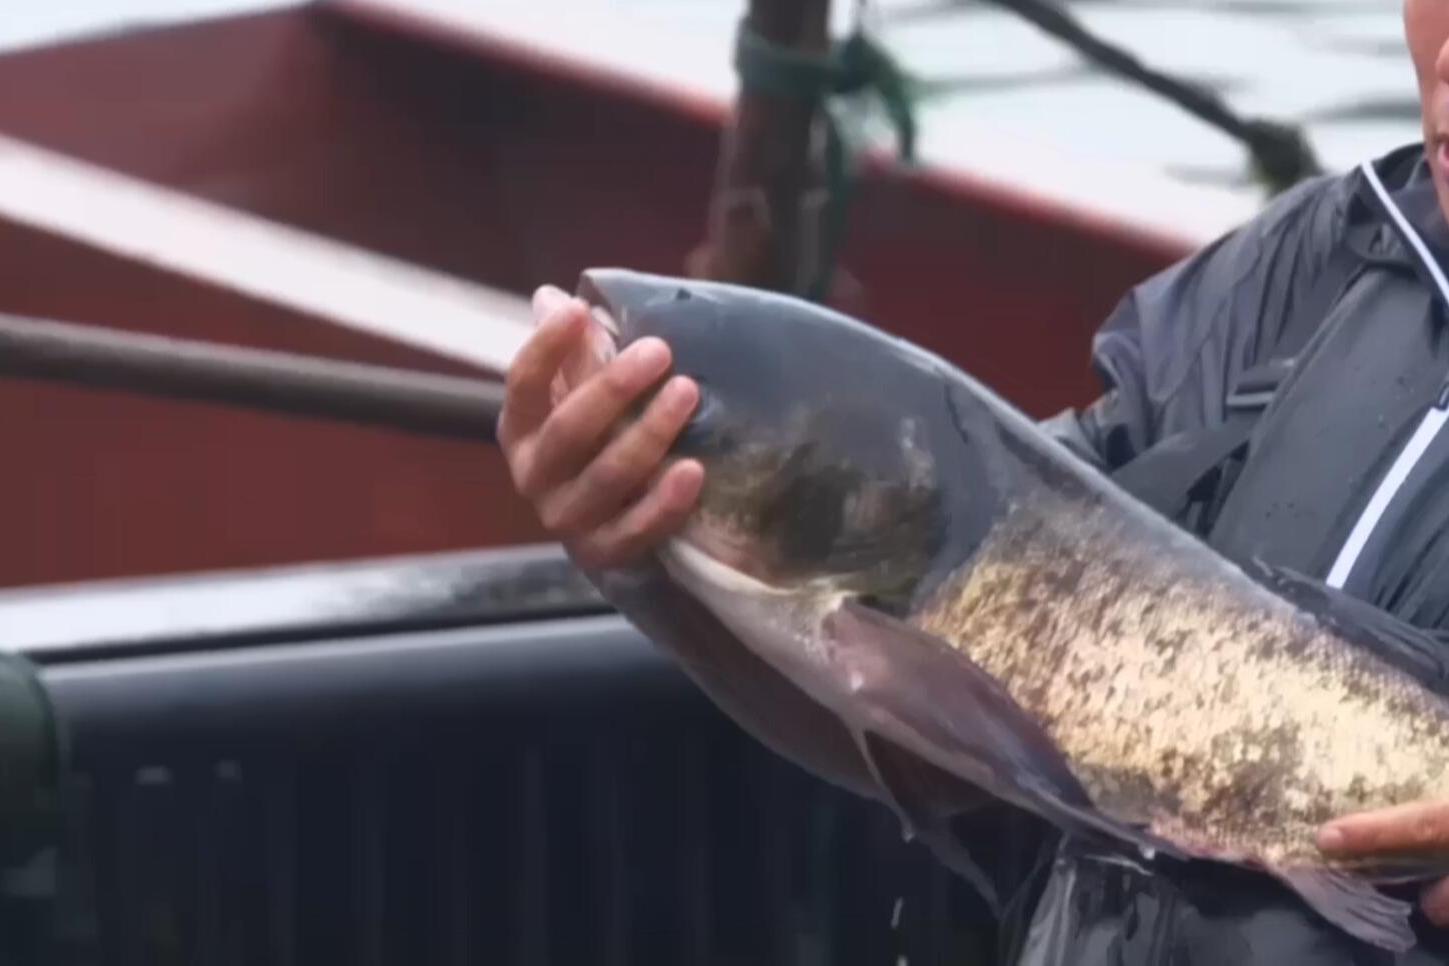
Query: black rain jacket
1280	394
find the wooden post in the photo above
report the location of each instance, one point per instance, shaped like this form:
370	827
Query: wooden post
769	181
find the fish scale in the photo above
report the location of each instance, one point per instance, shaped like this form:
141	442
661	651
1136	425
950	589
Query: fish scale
1231	724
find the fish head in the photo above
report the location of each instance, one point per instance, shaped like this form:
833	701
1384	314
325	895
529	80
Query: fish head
833	461
838	479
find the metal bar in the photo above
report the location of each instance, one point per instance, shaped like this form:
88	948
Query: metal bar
323	689
1281	150
758	232
257	258
214	612
1063	25
308	386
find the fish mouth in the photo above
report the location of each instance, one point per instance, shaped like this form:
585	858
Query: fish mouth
606	322
614	295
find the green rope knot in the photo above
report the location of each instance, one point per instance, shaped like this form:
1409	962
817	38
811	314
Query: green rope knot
855	65
843	83
868	68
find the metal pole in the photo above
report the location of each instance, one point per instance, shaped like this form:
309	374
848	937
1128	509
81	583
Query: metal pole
1280	150
306	386
759	232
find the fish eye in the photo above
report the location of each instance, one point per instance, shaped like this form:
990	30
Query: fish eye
705	426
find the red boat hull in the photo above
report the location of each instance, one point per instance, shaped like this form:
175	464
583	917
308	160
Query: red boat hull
455	152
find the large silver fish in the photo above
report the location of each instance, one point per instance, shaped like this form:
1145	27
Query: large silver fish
896	579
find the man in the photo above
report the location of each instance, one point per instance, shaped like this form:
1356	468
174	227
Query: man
1283	394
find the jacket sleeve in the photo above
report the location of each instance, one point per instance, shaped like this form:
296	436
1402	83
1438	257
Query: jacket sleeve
1172	349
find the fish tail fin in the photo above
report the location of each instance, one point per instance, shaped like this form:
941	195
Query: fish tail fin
1354	905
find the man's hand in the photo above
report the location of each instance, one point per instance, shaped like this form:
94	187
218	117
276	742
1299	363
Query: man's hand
1417	829
599	483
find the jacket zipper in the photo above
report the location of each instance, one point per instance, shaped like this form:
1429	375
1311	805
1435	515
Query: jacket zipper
1429	426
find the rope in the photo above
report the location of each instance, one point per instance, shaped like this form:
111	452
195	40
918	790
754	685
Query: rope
855	68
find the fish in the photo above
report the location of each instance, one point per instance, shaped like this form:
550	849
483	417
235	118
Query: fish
896	579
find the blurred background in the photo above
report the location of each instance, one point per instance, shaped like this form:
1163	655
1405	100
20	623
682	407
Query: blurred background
1338	68
329	694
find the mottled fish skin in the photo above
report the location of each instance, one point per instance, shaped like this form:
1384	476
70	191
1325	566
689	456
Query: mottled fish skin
1187	697
863	508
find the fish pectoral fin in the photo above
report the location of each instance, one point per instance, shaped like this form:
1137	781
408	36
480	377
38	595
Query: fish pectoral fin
925	799
933	700
919	791
1354	906
926	696
773	709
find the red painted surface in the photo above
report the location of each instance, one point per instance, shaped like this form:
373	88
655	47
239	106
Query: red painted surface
459	154
100	484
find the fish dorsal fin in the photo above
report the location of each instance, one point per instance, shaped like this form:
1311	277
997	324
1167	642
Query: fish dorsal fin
1410	649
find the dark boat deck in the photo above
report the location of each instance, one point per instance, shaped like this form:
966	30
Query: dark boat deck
441	760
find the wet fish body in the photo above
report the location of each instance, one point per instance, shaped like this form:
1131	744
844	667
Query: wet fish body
898	580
